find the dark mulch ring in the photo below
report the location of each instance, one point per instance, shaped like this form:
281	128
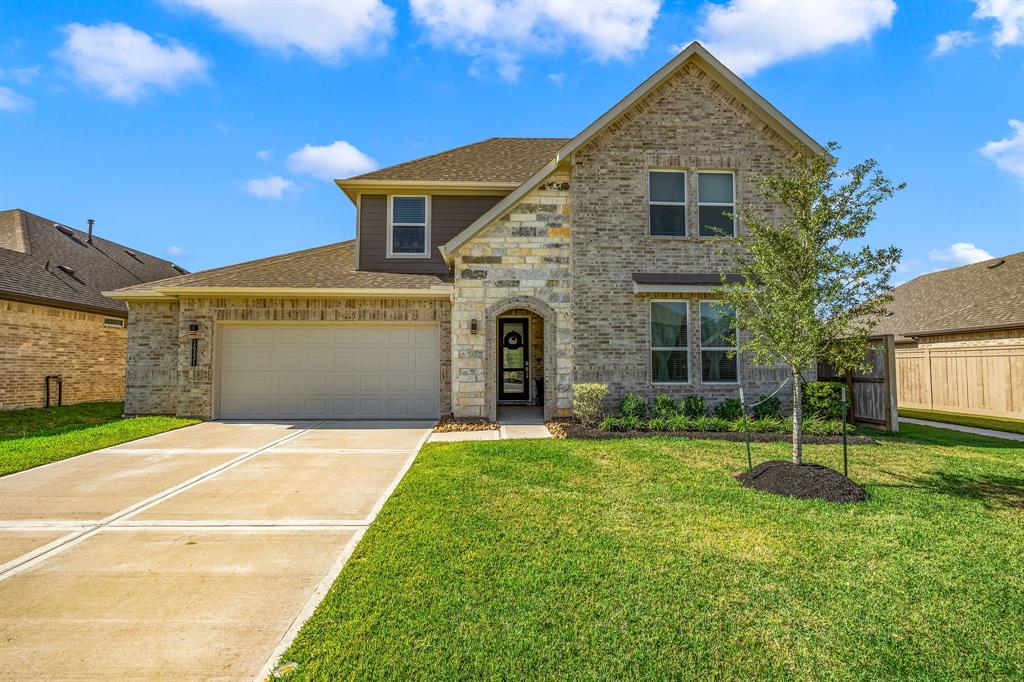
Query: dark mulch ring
568	429
805	481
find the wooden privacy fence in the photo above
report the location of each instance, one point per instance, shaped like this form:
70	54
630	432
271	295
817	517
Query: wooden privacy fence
872	394
986	380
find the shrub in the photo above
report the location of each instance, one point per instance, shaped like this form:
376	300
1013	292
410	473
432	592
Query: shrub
678	423
706	423
633	405
632	423
823	399
773	424
658	424
586	402
609	424
694	406
815	426
729	409
767	406
664	406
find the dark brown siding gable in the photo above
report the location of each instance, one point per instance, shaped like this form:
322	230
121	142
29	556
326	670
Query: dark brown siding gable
449	215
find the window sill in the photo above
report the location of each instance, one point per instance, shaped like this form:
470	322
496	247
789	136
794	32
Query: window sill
408	255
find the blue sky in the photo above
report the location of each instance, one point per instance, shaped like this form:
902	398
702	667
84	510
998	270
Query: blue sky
207	132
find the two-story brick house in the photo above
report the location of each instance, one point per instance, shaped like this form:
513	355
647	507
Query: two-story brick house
496	273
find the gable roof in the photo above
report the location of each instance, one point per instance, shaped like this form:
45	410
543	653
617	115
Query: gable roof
985	295
41	262
495	160
694	50
321	270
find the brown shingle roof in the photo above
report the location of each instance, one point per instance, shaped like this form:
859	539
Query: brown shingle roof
43	264
324	267
986	295
499	159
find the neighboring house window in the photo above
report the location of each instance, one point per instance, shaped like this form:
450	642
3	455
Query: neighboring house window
667	190
716	199
717	342
670	349
408	229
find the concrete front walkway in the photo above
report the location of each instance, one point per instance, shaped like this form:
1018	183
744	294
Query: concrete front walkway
193	554
965	429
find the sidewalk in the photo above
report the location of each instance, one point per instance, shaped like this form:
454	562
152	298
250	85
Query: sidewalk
966	429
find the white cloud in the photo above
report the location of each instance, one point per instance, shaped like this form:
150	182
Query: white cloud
1008	154
265	154
950	40
961	253
323	29
337	160
1009	14
22	76
750	35
124	63
11	102
499	33
557	78
176	251
273	187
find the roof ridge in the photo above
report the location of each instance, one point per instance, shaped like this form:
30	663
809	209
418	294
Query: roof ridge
196	277
954	269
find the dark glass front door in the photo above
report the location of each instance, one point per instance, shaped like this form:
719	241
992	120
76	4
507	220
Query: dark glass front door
513	357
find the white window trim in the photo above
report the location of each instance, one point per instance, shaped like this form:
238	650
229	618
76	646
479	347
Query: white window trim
650	202
426	225
715	203
650	342
702	347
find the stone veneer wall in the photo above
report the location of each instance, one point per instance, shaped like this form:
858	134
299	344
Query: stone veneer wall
521	260
161	342
37	340
688	122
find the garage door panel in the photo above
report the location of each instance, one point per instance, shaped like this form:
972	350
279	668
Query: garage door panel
348	371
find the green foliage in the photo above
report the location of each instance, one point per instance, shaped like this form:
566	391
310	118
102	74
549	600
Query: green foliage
609	424
587	401
678	423
729	409
694	406
823	399
706	423
816	426
665	406
770	424
767	406
658	424
632	423
633	405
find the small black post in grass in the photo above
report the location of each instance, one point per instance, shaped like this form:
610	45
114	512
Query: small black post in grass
746	433
845	414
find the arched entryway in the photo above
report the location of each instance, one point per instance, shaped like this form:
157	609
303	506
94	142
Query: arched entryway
521	359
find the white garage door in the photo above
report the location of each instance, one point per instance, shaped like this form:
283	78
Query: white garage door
344	371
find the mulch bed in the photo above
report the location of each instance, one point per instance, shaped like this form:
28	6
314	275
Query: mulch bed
567	429
451	425
804	481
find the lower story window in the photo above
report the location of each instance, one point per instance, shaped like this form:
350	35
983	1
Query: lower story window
670	357
719	362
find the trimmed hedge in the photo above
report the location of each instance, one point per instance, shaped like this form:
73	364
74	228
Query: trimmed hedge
823	399
812	425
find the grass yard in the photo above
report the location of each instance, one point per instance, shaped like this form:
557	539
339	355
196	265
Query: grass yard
977	421
642	558
35	436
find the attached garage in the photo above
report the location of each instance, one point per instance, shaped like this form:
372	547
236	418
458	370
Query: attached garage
352	370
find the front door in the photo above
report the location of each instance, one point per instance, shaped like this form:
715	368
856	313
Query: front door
513	357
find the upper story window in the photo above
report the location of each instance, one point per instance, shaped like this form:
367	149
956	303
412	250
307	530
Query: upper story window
716	198
717	342
670	346
667	192
408	227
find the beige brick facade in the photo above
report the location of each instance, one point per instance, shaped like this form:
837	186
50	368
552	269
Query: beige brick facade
36	341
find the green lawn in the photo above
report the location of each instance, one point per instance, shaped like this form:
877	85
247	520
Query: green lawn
643	559
977	421
35	436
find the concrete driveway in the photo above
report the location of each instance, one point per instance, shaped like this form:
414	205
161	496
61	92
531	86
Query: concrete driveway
194	554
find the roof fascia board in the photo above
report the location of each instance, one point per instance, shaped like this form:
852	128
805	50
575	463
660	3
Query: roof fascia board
352	188
694	49
437	291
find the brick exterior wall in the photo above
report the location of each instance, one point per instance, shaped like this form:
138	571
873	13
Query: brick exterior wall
688	122
162	379
521	260
36	341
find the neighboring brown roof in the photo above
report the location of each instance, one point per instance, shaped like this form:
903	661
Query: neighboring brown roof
499	159
40	263
986	295
324	267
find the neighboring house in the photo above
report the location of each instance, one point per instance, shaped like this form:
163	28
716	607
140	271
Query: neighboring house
55	322
496	273
959	337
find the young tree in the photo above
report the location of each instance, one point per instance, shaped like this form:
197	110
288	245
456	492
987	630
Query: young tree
808	293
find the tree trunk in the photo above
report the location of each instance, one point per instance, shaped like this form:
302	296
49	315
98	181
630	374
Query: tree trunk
798	418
